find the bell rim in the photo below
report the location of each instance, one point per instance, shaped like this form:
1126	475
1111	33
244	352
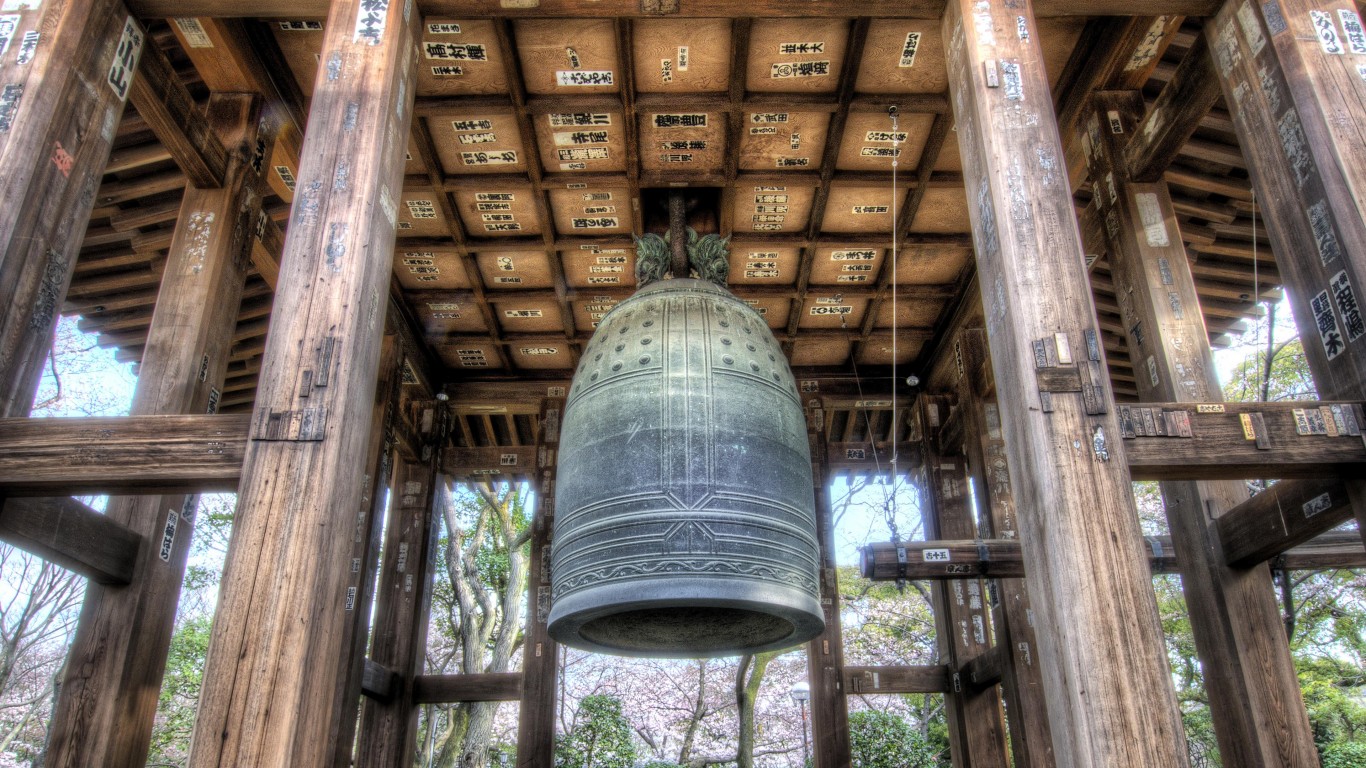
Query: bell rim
571	613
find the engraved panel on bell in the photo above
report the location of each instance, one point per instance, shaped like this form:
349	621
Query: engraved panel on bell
685	520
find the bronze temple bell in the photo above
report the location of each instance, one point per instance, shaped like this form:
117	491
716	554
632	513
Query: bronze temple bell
685	514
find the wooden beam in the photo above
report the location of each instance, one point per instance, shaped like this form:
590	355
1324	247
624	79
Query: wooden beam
983	670
233	62
1287	90
202	453
1108	685
942	559
447	689
1287	84
1239	635
928	678
914	9
825	653
169	110
1110	53
58	114
1183	103
66	532
121	455
1330	551
388	728
540	655
1273	445
1022	683
1002	558
378	683
487	463
1279	518
107	699
976	723
365	546
278	642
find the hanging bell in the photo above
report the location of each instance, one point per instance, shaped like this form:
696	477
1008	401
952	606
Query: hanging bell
684	506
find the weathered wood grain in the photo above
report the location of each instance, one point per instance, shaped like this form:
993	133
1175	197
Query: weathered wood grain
365	548
72	535
825	653
108	697
388	728
278	642
930	678
976	723
441	689
57	121
536	716
169	109
1182	104
1255	703
129	454
1221	450
1022	681
917	9
1107	683
1281	517
1004	559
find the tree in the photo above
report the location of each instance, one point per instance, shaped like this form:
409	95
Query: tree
39	602
600	739
883	740
476	610
1325	611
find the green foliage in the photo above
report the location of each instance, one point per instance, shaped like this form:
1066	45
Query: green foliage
601	738
662	764
1290	378
180	690
883	740
1346	755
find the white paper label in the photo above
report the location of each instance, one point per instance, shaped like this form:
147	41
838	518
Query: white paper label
125	64
1150	212
194	33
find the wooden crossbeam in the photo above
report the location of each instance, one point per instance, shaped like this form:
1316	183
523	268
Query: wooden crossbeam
170	111
443	689
141	454
1281	517
1244	440
928	678
72	535
912	9
125	455
983	670
1002	558
474	461
1169	123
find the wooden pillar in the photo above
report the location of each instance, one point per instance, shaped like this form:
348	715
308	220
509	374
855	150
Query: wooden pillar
388	730
365	546
536	725
1291	74
1031	740
825	654
62	87
1109	691
1254	694
278	647
962	622
108	694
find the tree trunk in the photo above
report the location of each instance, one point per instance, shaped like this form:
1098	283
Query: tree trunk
699	711
747	682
